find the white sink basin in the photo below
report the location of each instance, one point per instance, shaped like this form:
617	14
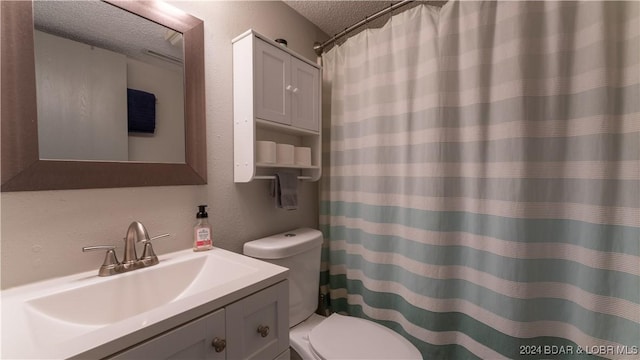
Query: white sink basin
65	317
121	296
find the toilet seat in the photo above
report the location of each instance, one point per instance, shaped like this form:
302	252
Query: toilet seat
346	337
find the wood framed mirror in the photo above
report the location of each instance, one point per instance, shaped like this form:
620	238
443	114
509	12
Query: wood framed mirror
22	167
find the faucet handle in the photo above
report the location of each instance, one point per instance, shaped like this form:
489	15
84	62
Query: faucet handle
149	257
157	237
110	263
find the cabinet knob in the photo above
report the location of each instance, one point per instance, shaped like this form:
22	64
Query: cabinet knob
289	87
219	344
263	330
295	90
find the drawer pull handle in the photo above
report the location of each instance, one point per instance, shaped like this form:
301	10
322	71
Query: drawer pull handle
263	330
219	344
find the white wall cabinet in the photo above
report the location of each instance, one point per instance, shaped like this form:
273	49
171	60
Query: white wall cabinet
256	327
287	88
276	95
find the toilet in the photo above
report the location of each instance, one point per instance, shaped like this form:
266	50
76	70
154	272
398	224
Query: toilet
317	337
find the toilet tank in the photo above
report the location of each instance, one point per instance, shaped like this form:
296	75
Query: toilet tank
298	250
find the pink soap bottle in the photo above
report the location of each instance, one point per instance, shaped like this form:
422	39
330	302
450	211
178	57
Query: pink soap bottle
202	232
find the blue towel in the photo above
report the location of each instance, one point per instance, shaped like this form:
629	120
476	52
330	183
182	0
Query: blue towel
141	111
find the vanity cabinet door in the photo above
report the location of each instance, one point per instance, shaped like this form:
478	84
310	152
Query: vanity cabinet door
193	340
258	325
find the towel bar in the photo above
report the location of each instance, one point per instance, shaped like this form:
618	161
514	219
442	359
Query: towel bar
271	177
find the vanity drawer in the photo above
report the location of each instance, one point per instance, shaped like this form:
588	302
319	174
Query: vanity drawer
258	325
190	341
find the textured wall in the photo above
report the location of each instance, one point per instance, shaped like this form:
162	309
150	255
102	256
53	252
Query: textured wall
167	143
42	232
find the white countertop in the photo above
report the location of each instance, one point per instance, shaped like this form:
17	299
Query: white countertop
29	332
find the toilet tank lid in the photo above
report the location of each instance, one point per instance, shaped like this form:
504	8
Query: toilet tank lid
283	245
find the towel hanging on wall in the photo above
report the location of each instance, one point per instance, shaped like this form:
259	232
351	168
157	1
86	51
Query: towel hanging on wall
284	188
141	111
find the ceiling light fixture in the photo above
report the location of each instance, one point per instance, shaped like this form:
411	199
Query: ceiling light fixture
174	37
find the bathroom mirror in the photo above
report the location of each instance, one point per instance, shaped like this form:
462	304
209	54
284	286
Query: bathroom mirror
109	84
23	168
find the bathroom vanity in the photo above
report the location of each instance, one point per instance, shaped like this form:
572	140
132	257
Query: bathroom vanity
210	305
245	329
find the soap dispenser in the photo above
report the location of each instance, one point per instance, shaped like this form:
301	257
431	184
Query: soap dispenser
202	234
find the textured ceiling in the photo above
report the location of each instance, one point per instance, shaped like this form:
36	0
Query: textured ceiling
105	26
334	16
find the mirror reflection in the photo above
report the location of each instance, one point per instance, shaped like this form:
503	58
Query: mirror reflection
110	84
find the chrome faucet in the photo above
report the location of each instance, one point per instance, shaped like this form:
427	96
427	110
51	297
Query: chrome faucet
135	233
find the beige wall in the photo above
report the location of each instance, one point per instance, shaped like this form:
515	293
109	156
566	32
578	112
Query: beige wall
42	232
166	144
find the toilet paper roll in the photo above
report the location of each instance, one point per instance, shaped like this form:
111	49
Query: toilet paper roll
265	152
284	154
302	156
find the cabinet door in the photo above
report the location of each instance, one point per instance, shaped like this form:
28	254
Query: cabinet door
258	325
273	83
190	341
305	99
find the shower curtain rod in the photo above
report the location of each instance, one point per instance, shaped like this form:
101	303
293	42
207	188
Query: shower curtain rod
320	47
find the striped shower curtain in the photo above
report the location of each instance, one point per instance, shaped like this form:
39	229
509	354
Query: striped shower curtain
481	181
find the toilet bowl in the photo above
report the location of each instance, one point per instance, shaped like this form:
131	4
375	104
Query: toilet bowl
313	336
346	337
